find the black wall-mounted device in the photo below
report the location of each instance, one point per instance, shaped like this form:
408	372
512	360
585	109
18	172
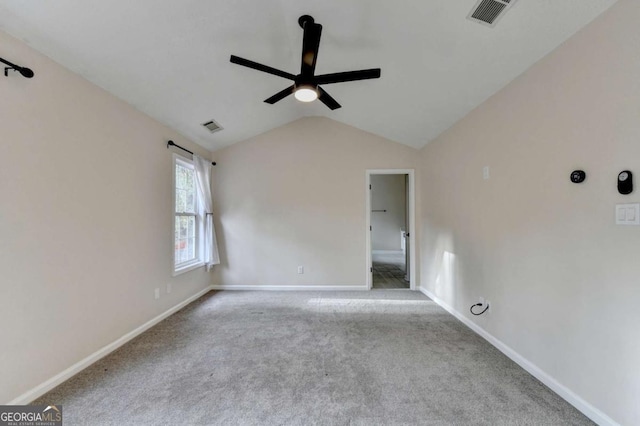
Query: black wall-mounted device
578	176
625	182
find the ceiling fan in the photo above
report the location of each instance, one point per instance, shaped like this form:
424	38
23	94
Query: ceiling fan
306	85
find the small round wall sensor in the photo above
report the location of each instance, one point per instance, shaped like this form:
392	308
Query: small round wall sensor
578	176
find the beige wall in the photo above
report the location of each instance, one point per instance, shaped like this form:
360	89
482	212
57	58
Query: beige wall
295	196
563	279
85	221
388	192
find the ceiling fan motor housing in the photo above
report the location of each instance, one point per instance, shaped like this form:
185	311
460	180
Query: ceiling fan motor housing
307	82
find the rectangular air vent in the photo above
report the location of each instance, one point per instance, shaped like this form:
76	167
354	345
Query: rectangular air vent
212	126
488	12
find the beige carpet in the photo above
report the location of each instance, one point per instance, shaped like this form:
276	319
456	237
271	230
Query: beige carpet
297	358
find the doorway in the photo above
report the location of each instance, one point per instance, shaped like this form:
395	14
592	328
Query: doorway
390	220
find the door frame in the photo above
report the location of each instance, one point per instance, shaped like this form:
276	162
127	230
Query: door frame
412	222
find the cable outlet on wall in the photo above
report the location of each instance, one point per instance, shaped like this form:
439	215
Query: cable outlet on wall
488	306
481	301
301	269
156	293
168	288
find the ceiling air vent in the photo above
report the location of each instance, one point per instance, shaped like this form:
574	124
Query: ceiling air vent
488	12
212	126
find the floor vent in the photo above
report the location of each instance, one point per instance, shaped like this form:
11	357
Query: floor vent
212	126
488	12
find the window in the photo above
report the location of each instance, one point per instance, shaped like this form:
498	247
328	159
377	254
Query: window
188	221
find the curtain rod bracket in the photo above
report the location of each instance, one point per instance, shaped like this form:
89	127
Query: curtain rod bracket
172	143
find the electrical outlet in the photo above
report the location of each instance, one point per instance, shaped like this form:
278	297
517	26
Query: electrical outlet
485	172
157	293
168	288
301	269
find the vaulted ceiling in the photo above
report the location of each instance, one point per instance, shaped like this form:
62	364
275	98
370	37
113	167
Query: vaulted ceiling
170	59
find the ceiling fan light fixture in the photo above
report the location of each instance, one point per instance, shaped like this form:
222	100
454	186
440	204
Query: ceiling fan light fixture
306	93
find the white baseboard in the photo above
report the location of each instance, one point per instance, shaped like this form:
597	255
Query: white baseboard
292	287
568	395
45	387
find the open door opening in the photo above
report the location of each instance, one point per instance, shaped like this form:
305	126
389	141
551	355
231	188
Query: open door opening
389	219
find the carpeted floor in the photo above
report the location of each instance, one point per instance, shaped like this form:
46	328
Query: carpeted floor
294	358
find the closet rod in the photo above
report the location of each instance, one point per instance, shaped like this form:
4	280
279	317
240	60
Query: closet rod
172	143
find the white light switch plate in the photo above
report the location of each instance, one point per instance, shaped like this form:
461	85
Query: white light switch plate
628	214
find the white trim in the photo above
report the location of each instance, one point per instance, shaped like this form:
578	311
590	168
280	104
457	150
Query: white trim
291	287
412	222
46	386
188	267
568	395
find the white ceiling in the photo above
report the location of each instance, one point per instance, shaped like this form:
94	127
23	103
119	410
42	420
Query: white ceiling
170	59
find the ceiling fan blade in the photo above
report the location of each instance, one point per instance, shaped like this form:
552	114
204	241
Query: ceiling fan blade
340	77
280	95
310	47
326	99
264	68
